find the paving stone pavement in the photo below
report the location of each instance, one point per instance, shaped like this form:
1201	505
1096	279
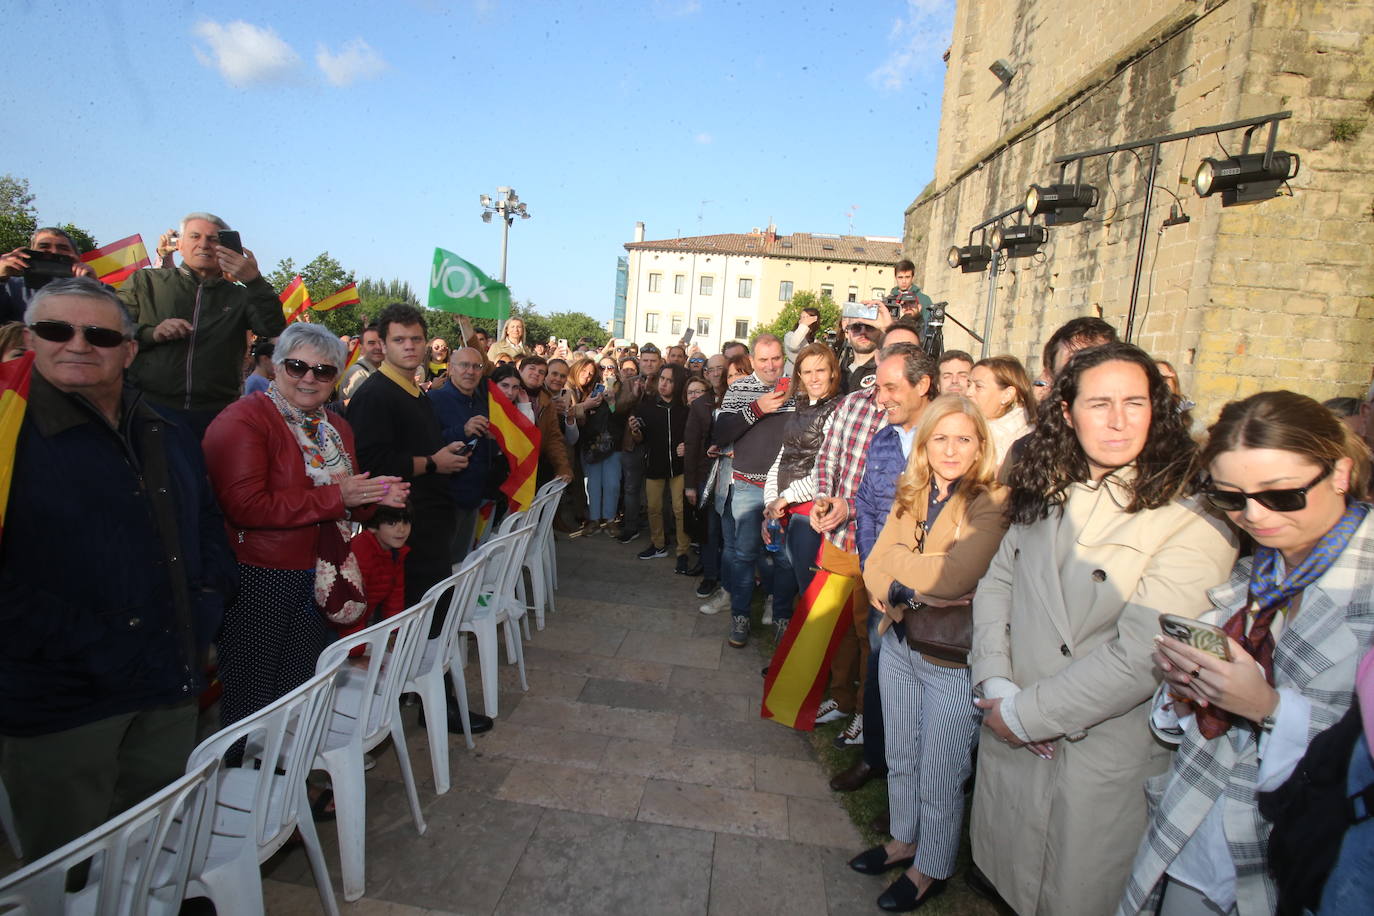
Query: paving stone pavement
635	777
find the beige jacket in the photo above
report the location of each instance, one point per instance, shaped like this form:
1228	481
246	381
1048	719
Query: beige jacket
1068	611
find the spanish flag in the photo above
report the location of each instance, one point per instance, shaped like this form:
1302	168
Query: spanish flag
14	399
348	295
295	299
519	440
484	515
114	263
800	668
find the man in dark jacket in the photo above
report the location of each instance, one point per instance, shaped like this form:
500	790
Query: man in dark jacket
461	407
114	571
193	322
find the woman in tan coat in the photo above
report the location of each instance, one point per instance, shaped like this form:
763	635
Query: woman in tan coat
945	524
1105	537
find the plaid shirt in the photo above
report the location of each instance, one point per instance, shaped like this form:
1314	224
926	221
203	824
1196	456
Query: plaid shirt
844	449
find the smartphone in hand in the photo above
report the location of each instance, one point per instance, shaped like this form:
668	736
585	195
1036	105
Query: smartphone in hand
228	238
1210	639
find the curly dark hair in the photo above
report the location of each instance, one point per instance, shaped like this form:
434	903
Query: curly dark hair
1053	460
401	313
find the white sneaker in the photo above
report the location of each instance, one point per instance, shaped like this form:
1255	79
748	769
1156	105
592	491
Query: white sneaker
368	762
829	711
716	603
853	733
767	611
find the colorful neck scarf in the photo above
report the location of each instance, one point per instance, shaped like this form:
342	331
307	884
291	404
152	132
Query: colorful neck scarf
326	459
1268	596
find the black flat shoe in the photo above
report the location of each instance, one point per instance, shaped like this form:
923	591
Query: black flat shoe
321	809
478	722
901	895
874	862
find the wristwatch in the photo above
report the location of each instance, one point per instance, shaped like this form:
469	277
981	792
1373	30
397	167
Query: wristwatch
430	466
1266	725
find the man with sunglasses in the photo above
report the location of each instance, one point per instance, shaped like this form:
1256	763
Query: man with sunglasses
112	578
864	325
191	322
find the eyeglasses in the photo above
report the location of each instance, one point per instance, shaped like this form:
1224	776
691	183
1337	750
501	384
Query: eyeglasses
861	328
468	367
297	368
1274	500
63	331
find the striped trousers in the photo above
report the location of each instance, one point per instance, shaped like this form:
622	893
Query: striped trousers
930	723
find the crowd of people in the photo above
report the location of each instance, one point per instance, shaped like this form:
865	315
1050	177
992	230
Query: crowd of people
1132	642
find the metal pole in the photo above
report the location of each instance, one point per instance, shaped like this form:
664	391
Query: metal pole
505	241
1140	248
997	258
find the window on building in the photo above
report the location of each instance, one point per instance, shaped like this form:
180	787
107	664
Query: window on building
679	284
785	291
746	288
879	292
707	286
828	291
677	324
655	282
703	327
853	294
651	322
741	329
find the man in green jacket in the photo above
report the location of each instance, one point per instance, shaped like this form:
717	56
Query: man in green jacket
193	322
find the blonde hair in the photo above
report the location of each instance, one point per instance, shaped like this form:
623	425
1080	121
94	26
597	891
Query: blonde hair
913	486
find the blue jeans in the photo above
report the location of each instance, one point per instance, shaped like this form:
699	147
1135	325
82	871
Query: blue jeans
803	543
603	487
746	517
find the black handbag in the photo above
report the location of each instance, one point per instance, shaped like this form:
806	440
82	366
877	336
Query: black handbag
945	633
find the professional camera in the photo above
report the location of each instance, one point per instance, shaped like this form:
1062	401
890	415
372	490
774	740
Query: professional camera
44	267
899	301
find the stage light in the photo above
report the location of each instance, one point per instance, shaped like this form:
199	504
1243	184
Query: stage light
1019	241
1061	204
1245	178
969	258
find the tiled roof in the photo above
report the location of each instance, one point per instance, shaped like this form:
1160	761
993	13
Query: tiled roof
800	245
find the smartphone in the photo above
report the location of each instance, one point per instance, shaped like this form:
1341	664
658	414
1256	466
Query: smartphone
230	239
782	386
1210	639
687	337
467	446
598	390
563	342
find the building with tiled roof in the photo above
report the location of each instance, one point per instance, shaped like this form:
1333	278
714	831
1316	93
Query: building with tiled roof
722	287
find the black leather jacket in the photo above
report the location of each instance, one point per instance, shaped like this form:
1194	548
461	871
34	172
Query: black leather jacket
801	440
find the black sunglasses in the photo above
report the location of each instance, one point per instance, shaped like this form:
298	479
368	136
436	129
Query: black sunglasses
1274	500
63	331
297	368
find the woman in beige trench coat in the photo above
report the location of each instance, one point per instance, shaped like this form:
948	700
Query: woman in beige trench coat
1104	539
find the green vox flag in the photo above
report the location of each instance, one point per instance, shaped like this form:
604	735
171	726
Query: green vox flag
459	287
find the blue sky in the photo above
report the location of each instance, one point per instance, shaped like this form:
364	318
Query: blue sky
369	130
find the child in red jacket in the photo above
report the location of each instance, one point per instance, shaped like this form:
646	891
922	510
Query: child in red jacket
381	551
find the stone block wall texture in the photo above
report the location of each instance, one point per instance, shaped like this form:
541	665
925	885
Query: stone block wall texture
1273	294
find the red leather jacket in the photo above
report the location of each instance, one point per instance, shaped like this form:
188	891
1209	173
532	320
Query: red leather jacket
271	508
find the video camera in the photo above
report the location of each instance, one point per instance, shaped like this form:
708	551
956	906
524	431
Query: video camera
44	267
899	301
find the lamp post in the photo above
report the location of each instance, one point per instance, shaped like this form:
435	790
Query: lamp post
508	206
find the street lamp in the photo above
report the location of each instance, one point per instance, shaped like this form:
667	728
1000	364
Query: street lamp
508	207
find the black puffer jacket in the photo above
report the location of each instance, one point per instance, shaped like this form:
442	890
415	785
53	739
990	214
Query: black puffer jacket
801	440
664	430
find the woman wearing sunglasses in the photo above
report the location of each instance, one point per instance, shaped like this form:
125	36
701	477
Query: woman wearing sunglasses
284	471
1296	618
1104	538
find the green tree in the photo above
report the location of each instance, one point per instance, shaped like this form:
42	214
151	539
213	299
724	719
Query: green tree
18	219
84	240
572	325
787	318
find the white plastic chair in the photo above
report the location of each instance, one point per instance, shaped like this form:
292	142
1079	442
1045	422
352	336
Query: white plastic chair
138	861
259	804
365	711
538	560
435	659
494	605
7	823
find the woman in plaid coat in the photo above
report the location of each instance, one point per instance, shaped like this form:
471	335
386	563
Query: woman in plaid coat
1298	619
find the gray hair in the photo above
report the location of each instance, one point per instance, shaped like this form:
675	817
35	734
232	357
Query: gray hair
301	334
201	214
86	288
53	230
916	362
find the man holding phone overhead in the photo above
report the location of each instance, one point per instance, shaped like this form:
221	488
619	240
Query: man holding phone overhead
192	320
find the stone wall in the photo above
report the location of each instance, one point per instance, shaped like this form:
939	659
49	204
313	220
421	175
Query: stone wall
1278	293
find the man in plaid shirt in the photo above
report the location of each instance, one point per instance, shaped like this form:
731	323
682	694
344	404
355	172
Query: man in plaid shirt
839	470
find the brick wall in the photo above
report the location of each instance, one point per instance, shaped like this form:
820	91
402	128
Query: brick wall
1273	294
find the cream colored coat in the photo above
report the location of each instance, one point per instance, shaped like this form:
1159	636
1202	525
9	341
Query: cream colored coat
1068	611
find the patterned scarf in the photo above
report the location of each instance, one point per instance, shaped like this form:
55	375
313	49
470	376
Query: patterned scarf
1268	596
326	459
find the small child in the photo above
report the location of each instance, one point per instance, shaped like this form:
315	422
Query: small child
381	552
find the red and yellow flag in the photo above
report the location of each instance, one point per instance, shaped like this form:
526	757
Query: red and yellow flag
114	263
295	299
519	440
14	400
348	295
484	515
800	669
